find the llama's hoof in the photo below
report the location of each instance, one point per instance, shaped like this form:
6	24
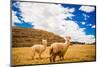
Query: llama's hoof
37	58
32	58
41	58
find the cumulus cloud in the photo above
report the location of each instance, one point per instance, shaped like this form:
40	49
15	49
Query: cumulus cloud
89	24
85	16
14	18
87	9
83	23
51	17
70	10
93	26
14	13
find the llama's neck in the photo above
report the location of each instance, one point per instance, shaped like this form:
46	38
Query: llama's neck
67	44
45	44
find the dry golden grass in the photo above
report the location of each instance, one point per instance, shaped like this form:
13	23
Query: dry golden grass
75	53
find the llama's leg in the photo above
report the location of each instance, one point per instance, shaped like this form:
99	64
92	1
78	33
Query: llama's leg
51	55
40	56
54	57
61	57
51	58
33	55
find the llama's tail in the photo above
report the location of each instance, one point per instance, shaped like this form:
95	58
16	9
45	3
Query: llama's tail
51	50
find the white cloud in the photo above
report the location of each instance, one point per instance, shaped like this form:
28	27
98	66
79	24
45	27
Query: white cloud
69	10
93	26
85	16
87	9
72	10
51	17
83	23
14	18
89	24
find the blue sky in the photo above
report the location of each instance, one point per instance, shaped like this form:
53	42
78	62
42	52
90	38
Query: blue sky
80	18
20	18
82	15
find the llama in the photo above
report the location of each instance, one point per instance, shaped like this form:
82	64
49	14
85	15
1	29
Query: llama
59	49
39	48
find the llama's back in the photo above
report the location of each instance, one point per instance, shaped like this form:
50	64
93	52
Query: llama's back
56	47
38	48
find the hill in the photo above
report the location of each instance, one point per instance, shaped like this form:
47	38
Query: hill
26	37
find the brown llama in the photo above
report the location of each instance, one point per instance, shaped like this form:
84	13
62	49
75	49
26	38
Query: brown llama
59	49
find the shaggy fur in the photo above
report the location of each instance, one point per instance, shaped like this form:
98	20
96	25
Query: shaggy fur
59	49
39	48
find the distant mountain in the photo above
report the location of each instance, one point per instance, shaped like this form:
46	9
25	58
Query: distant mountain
26	37
81	43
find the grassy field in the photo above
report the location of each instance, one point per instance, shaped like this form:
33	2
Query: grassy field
75	53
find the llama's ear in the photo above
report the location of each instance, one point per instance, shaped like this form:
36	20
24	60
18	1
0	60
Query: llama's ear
44	40
68	37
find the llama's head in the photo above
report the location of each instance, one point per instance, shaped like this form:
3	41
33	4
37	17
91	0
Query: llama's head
68	38
44	41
